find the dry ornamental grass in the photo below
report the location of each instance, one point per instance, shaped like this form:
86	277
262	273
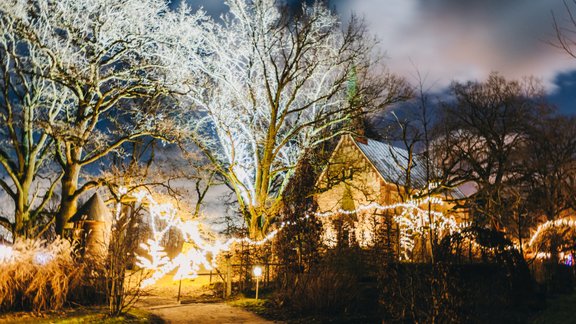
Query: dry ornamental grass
37	275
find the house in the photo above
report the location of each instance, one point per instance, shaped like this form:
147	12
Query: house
366	198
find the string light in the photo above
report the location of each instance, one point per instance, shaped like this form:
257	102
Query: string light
413	220
550	224
42	258
38	252
409	204
201	251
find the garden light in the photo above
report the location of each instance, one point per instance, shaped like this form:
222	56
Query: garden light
203	250
257	273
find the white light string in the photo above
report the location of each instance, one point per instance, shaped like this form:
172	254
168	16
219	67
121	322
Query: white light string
550	224
202	252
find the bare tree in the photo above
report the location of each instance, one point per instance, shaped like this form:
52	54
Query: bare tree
565	30
481	136
550	165
412	130
565	34
109	61
25	148
280	84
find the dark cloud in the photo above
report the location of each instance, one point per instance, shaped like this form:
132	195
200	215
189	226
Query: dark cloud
450	40
467	39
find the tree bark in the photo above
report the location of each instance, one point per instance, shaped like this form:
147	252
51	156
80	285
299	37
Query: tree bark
69	199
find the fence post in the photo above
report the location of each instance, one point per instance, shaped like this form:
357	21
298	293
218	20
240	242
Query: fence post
228	290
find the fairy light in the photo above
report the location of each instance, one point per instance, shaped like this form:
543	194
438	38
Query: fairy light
37	252
413	221
203	252
550	224
414	203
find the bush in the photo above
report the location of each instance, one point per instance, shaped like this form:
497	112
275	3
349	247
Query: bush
36	275
455	293
331	287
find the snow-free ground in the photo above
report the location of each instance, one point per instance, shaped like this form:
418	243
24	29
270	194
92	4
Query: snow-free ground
205	313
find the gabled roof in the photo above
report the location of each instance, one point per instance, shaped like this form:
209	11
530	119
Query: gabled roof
391	162
93	210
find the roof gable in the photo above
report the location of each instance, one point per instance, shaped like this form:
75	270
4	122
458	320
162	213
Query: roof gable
391	162
93	210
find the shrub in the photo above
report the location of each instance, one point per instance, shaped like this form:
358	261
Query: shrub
37	275
331	287
455	293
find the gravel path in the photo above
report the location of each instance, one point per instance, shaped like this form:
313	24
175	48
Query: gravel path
205	313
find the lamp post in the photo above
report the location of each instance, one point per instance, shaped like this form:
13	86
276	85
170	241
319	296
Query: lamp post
257	271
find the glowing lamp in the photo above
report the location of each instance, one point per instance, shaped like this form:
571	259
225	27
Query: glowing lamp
257	271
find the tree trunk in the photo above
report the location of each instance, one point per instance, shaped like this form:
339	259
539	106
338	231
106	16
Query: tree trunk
68	200
255	232
18	227
21	226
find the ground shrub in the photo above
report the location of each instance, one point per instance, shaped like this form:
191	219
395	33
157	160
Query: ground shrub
554	278
454	293
333	286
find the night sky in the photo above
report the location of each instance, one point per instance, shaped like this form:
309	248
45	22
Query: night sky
447	40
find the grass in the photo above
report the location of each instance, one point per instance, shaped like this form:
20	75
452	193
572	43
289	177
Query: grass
133	316
560	309
265	308
259	306
81	315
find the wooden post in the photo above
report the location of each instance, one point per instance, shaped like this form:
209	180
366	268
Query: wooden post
228	290
179	289
257	277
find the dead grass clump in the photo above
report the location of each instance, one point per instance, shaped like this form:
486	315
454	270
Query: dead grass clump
37	275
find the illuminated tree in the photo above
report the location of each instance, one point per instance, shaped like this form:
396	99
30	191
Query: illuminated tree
108	62
24	147
277	85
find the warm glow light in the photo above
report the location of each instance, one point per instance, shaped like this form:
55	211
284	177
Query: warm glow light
550	224
409	204
37	252
257	271
202	250
7	254
413	221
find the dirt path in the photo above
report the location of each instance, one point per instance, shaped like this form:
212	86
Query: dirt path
205	313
